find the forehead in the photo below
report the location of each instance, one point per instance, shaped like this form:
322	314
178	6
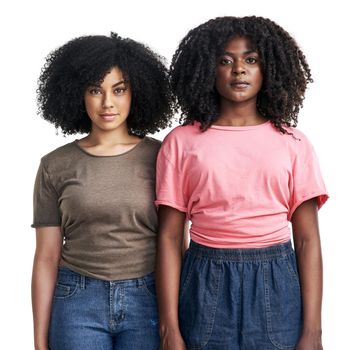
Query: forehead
238	44
113	76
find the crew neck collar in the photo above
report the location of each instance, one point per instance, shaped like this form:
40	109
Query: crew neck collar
240	128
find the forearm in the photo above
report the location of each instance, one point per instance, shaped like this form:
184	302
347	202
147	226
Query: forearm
308	251
43	284
168	281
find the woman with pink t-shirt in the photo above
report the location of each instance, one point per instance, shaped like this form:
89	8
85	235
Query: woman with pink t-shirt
241	172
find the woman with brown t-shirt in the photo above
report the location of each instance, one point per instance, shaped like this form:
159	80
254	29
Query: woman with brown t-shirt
96	224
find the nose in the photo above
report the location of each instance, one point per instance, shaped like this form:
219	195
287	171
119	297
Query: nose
237	68
107	101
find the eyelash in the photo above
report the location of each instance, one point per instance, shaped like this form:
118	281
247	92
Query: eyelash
226	61
251	58
117	91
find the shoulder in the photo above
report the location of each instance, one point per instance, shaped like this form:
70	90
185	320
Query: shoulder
298	143
298	137
150	145
182	134
58	155
152	142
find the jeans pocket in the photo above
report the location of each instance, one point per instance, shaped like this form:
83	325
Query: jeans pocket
198	302
67	285
283	303
186	270
148	284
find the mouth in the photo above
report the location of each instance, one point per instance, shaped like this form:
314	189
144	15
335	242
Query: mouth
240	84
108	116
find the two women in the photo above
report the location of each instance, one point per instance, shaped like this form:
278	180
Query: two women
238	169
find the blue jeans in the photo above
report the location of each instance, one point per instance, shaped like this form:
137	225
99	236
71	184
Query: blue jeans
91	314
235	299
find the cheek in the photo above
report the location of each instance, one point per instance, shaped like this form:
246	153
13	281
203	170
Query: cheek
220	80
125	103
89	103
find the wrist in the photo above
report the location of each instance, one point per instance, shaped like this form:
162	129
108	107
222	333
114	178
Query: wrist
312	332
41	345
168	328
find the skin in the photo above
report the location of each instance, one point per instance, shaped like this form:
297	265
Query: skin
238	108
45	266
109	136
238	104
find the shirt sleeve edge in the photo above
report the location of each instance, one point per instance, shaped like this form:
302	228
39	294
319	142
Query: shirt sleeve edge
322	197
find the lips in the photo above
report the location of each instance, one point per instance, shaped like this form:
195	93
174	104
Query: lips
108	116
239	84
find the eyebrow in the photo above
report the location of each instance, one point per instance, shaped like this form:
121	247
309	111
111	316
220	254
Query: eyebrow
124	81
244	53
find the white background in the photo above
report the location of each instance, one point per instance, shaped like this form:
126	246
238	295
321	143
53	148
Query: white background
31	29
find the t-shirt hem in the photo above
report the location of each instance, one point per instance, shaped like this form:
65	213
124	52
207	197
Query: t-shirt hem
102	277
170	204
322	197
45	225
244	245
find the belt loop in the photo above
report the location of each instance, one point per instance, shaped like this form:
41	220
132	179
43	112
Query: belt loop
139	282
82	282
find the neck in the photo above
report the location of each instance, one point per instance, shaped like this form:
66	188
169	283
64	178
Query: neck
239	113
109	138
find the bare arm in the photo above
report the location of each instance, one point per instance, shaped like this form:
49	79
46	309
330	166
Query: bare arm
170	242
308	251
46	260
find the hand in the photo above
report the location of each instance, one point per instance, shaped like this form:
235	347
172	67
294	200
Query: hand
310	342
172	340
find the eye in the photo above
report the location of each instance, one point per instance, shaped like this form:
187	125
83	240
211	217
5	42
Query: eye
251	60
120	90
224	61
94	91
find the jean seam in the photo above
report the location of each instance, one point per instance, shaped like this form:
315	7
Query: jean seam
68	289
145	287
292	272
189	274
268	314
212	318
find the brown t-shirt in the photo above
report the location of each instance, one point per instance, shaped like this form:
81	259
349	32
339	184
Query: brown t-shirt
105	207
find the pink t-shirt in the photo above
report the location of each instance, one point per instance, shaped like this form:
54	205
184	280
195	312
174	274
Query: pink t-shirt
238	185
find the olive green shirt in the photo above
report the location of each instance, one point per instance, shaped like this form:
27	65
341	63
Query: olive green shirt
104	206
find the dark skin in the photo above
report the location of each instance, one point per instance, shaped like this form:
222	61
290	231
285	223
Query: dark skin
309	257
236	65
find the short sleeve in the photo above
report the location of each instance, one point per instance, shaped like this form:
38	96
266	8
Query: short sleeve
45	201
169	177
307	179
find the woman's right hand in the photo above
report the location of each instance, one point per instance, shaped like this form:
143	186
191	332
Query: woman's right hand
172	340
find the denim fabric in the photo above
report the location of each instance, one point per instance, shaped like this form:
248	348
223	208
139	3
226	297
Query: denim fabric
240	299
93	314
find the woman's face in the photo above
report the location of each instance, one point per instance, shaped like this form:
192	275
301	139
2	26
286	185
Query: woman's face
108	103
239	72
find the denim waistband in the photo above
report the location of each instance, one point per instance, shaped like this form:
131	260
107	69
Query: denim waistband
241	254
82	280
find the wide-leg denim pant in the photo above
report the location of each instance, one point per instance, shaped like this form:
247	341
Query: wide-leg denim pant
91	314
240	299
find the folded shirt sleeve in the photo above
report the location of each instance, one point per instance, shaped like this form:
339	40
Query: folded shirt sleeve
307	181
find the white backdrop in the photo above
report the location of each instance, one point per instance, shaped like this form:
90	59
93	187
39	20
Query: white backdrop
31	29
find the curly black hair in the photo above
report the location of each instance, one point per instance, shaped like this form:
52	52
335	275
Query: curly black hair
285	70
83	61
